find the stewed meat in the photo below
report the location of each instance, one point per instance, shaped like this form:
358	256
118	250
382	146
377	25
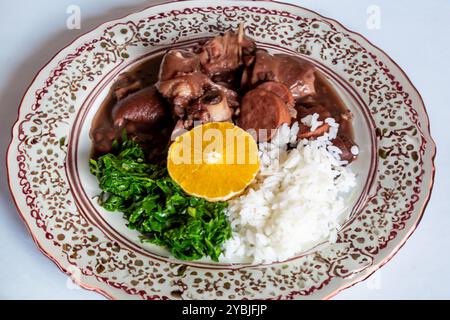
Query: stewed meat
216	105
188	93
182	90
144	115
178	63
226	53
230	79
223	79
297	74
144	107
211	107
280	90
127	83
263	112
306	133
231	95
103	138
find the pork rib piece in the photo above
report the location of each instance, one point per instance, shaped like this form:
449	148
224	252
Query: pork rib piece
297	74
226	53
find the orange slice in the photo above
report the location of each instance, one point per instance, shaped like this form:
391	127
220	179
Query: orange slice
215	161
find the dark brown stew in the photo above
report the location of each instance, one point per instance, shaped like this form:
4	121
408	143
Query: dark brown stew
224	79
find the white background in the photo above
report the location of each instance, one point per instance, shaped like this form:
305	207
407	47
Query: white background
416	34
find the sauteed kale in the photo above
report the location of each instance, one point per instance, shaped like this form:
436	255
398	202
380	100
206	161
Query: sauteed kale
155	205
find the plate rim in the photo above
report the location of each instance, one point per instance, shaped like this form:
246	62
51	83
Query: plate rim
373	269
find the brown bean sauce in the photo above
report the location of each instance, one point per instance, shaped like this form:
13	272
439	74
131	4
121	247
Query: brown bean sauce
156	139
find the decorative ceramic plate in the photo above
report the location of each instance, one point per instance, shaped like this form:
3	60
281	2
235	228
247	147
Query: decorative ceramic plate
53	190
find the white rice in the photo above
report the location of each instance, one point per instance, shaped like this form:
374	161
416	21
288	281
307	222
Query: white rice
296	200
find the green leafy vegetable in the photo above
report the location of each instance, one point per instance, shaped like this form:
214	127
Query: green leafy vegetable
156	206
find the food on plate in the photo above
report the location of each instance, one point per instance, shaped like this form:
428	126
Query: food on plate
263	111
225	150
178	62
283	92
224	54
145	107
227	161
156	206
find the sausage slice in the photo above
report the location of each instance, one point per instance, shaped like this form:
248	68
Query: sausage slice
283	92
263	111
